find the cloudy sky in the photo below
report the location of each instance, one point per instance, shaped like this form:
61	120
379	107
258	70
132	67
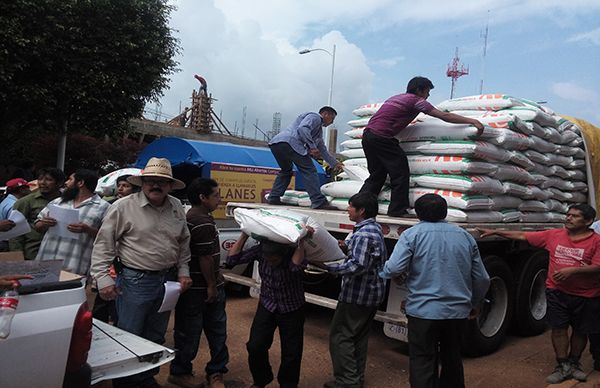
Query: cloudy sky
248	53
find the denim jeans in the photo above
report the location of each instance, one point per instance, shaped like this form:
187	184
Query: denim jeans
192	315
137	309
286	157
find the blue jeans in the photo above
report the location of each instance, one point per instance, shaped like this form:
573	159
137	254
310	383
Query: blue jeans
192	315
286	157
137	309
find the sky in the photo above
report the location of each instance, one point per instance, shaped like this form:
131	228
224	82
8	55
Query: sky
248	53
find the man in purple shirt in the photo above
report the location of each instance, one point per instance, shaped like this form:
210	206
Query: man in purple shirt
280	305
382	149
297	145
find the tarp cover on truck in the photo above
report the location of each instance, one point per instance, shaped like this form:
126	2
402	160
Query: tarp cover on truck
591	136
199	153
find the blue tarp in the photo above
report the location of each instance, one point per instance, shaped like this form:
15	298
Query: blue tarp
199	153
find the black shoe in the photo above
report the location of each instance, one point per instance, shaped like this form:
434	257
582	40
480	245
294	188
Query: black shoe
326	207
401	214
275	202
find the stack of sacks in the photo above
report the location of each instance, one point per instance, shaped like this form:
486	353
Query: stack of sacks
295	198
528	165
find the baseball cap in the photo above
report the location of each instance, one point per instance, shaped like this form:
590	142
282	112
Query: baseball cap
16	183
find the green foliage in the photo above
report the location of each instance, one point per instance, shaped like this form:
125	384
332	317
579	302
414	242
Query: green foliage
88	65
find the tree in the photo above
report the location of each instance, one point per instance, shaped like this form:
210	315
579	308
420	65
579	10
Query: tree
88	64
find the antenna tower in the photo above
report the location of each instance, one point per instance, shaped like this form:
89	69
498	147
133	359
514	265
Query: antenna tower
455	71
485	40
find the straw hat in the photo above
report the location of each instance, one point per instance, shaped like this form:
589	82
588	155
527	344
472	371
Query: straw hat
157	167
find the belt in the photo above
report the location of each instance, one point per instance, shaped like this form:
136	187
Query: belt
150	272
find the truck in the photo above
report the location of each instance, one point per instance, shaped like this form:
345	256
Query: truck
516	297
54	341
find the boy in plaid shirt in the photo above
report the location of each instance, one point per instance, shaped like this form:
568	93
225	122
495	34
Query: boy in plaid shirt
362	292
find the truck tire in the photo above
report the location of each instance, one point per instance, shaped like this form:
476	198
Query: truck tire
485	334
530	301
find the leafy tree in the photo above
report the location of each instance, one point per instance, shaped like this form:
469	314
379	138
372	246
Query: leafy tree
90	65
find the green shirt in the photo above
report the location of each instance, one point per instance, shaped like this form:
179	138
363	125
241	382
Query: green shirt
30	206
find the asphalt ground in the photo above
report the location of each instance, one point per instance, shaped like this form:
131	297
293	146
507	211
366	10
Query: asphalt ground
520	362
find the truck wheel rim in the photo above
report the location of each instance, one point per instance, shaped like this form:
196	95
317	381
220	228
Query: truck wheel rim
493	312
537	295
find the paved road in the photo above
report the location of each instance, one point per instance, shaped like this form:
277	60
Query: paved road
521	362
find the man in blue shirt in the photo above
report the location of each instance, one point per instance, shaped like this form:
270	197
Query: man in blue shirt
15	188
297	145
446	281
361	294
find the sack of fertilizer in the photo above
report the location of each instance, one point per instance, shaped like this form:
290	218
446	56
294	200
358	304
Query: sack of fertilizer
495	120
357	173
477	216
538	179
559	172
436	130
569	137
278	225
344	189
564	196
542	145
355	162
412	147
505	202
321	246
552	135
559	160
557	217
339	203
505	172
537	193
479	184
510	215
515	189
556	206
577	175
532	114
291	197
352	143
474	149
448	164
534	217
454	199
575	152
529	127
519	158
509	139
360	122
367	109
480	102
355	133
579	186
537	157
533	206
353	153
576	164
558	183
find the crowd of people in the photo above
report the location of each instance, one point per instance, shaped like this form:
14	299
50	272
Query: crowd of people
143	237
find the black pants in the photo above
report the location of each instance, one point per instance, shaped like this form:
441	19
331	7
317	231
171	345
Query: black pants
431	343
385	157
595	349
105	310
291	335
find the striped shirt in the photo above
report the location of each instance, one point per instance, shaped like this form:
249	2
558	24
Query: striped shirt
204	241
75	253
361	283
281	288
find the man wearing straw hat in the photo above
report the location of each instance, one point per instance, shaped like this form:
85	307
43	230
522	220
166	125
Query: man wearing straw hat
148	234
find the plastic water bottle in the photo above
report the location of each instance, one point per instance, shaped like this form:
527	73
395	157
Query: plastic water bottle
8	307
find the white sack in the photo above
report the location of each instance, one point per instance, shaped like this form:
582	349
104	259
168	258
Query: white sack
355	133
353	153
352	143
360	122
321	246
447	164
454	199
475	149
505	202
480	102
473	184
367	109
279	225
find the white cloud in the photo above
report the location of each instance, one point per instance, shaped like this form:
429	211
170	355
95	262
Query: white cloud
591	36
387	62
575	92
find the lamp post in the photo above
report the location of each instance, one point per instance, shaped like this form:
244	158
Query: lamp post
331	139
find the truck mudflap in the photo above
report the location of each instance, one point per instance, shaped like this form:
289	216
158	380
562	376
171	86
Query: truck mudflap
116	353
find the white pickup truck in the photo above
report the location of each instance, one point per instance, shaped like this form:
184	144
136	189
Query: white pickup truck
54	342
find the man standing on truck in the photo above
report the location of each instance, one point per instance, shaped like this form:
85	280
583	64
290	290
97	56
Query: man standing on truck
446	281
572	286
297	145
148	234
382	150
76	253
50	180
202	307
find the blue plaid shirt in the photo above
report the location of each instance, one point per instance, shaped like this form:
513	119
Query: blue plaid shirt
361	283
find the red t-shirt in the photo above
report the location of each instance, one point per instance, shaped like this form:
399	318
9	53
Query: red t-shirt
566	253
396	113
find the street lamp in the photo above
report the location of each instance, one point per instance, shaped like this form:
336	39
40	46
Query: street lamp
332	132
332	54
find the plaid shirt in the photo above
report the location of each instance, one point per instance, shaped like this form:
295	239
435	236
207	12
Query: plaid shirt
75	253
281	289
361	283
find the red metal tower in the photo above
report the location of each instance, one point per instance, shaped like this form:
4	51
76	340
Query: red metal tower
456	70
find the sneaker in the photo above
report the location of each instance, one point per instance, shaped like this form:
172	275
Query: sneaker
576	372
185	381
326	207
215	380
562	371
